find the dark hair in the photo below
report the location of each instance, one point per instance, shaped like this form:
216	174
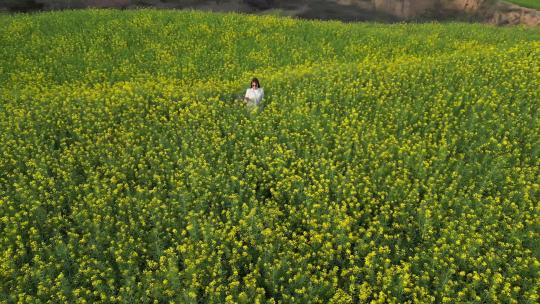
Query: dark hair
256	81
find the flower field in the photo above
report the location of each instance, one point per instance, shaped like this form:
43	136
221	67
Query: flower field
390	164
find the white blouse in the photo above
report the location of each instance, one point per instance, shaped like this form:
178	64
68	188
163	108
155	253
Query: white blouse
255	96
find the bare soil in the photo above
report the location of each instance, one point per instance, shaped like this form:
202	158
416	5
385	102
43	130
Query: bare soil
488	11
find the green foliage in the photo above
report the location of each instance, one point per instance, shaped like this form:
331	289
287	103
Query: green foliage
527	3
391	164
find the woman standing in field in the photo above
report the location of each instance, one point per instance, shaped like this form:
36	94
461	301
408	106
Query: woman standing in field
254	95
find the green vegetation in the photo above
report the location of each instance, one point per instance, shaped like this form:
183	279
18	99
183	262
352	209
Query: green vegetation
527	3
391	163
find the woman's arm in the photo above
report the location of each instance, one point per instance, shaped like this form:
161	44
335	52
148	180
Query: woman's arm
246	98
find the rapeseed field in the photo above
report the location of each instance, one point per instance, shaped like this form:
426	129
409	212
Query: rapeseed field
389	163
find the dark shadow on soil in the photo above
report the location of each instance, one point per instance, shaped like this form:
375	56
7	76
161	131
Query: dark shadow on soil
325	10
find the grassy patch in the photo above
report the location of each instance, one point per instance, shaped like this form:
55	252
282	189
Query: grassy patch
527	3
